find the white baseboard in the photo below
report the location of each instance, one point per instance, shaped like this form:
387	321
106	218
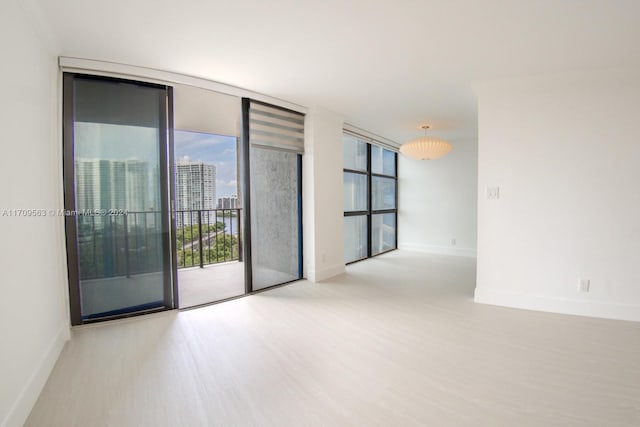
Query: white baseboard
23	404
600	309
440	250
325	273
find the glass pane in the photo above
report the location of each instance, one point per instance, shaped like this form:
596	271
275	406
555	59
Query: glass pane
383	193
120	216
355	192
275	225
355	237
383	232
354	153
383	161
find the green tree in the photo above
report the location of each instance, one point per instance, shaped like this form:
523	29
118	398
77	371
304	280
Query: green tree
217	245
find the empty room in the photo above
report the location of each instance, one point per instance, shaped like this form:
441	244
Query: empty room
337	213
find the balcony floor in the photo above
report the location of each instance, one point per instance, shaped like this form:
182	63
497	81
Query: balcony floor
214	282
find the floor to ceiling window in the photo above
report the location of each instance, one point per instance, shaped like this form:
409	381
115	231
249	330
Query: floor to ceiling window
164	207
116	197
370	198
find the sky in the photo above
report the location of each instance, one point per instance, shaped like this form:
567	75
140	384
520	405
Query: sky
218	150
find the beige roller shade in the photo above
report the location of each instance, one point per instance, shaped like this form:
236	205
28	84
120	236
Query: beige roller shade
205	111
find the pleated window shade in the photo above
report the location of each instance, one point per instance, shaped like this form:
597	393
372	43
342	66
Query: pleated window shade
275	127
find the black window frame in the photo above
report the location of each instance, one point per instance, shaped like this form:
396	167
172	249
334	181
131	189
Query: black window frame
369	212
245	155
170	290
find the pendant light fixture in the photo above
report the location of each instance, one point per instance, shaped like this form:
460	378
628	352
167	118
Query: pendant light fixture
425	148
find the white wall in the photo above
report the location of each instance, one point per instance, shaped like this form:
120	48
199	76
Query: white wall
437	202
565	153
33	314
323	217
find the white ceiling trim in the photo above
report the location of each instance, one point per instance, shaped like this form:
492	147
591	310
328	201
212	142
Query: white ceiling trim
151	75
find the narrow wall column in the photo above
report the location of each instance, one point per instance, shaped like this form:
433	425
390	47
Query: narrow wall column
322	195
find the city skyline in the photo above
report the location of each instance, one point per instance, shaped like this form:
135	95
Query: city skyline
116	175
127	184
125	142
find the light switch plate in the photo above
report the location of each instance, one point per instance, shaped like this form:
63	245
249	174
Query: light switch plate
583	285
493	192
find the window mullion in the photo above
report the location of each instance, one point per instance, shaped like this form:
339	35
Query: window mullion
369	200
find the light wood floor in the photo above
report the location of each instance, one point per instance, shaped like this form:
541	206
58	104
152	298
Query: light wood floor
397	341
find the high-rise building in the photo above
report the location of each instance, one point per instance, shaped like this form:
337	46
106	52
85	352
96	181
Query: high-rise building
112	184
228	202
136	173
195	188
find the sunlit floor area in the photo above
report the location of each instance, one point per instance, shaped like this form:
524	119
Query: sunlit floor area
214	282
396	341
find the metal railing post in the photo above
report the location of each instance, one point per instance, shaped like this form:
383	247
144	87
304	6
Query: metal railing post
239	235
200	238
126	246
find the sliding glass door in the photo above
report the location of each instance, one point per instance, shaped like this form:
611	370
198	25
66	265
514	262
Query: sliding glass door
275	209
116	197
273	150
152	196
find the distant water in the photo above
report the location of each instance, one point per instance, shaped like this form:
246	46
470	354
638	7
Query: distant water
231	224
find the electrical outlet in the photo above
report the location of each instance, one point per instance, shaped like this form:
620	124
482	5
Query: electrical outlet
453	241
583	285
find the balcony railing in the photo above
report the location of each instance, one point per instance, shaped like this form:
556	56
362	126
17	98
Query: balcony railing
208	237
129	244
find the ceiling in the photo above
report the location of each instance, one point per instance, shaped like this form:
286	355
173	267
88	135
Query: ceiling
386	66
